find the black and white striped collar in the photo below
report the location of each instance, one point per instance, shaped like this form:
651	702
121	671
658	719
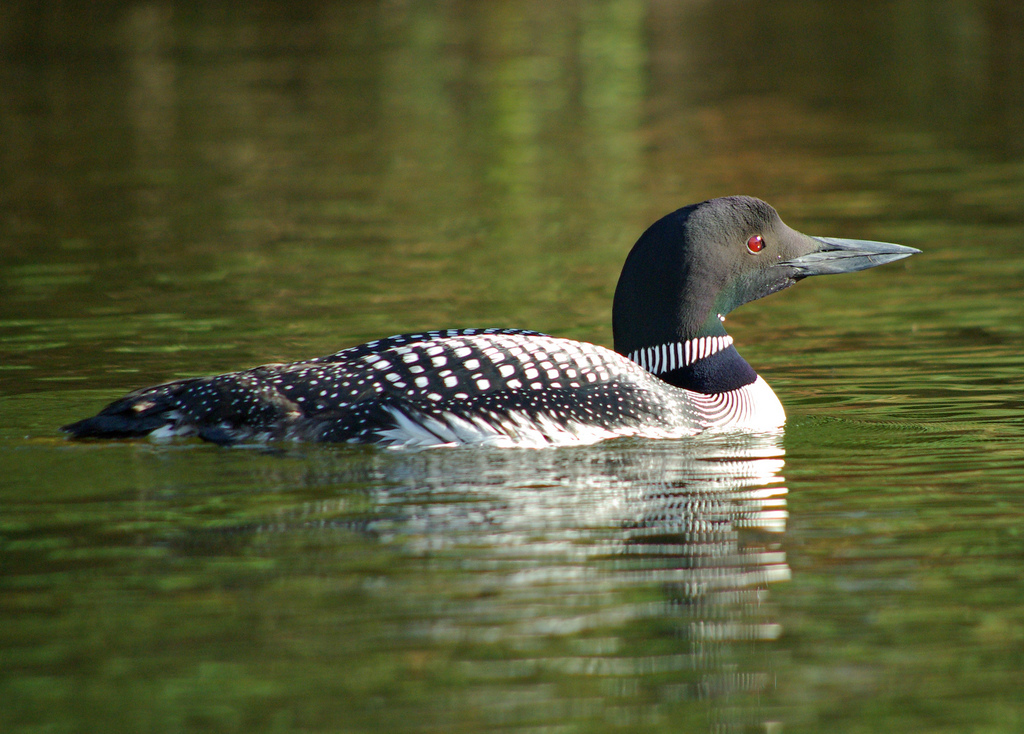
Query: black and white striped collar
676	355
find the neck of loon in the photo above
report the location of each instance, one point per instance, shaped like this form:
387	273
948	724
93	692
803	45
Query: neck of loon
706	362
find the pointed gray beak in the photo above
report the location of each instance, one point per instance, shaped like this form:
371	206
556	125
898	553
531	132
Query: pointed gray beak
837	255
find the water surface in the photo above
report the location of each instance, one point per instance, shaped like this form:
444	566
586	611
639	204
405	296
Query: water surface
196	189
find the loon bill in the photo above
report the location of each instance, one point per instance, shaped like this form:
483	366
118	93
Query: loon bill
674	371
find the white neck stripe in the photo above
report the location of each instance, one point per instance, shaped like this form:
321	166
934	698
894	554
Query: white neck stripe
674	355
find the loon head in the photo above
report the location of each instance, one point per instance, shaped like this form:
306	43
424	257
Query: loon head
692	267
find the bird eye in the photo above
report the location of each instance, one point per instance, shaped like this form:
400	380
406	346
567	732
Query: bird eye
755	244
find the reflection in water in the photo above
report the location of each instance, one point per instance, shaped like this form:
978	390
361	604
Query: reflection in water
628	581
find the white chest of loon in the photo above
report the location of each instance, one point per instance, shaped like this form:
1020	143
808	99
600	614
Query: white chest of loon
674	371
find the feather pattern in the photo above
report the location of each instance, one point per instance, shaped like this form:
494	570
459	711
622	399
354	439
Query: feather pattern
496	387
675	355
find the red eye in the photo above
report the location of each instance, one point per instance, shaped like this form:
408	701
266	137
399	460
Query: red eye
755	244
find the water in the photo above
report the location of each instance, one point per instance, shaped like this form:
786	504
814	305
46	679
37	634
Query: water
192	190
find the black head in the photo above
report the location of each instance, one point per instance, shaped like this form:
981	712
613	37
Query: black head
697	264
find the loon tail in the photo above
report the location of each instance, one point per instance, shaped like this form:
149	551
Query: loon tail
223	409
139	413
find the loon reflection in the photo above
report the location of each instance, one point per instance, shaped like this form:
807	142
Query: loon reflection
633	565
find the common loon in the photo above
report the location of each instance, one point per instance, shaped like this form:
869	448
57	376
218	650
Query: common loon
674	371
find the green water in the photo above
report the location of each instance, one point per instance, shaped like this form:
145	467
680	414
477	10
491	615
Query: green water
190	189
